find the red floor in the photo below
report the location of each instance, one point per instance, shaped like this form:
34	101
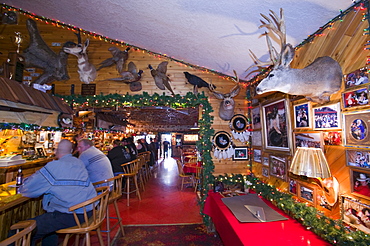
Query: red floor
162	202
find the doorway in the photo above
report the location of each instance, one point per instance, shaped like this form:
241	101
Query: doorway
166	137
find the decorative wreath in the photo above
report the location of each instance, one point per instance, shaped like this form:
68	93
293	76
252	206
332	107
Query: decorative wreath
223	147
238	125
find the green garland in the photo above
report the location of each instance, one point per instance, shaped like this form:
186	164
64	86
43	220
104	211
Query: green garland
330	230
28	127
204	145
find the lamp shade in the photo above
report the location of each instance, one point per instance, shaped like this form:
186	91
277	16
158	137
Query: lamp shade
310	162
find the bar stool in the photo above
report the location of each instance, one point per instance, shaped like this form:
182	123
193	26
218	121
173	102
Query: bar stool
89	223
114	194
22	237
130	172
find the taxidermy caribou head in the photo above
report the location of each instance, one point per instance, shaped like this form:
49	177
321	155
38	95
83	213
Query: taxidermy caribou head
316	82
227	105
39	55
86	70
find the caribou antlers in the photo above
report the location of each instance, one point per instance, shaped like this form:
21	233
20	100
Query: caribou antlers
316	82
227	105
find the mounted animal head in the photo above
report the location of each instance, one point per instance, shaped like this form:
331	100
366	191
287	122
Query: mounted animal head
316	82
39	55
227	105
86	70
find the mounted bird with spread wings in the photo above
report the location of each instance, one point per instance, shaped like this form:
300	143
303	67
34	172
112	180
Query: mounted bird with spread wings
160	77
119	58
196	81
131	76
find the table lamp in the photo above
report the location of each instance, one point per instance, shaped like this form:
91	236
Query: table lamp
310	162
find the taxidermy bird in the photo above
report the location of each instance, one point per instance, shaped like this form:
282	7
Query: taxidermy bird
119	58
129	76
160	78
196	81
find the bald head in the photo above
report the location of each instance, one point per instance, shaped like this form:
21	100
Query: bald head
64	148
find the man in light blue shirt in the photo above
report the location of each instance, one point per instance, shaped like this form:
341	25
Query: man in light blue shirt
64	182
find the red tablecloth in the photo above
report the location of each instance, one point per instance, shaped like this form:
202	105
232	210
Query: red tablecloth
190	167
233	232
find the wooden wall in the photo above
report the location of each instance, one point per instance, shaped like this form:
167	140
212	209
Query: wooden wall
98	51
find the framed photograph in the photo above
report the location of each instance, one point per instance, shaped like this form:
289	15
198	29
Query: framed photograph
359	158
356	126
307	193
308	139
276	126
355	98
293	186
265	159
256	118
332	138
257	155
42	136
327	117
355	78
355	214
40	151
278	167
256	138
302	114
265	172
241	153
360	183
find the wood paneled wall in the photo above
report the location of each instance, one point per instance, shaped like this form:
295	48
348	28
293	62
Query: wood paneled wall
98	51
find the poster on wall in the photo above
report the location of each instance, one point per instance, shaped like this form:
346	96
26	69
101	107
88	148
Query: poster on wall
276	126
308	139
355	98
358	77
360	183
278	167
359	158
256	118
256	138
355	214
356	127
332	138
302	114
327	117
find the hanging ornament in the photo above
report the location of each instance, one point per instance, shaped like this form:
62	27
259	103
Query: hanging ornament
238	125
223	145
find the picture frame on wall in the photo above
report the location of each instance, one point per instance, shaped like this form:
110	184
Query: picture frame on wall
293	186
355	78
327	117
256	138
307	193
256	118
308	139
265	172
40	151
353	214
257	155
356	127
276	126
241	154
302	116
355	98
278	167
358	158
265	159
333	138
360	183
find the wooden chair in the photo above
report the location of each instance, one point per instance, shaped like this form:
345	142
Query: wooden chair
23	235
197	177
88	224
185	178
130	172
114	194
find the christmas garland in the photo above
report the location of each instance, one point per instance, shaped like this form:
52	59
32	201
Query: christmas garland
333	231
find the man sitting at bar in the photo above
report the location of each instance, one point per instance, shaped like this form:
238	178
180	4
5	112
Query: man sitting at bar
118	156
96	163
64	183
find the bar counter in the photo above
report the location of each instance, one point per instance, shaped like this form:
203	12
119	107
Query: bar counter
14	207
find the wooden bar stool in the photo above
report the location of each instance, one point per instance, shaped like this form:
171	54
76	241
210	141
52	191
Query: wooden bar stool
90	223
130	172
23	235
114	194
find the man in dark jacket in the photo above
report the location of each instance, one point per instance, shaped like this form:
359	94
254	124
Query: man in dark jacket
117	156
